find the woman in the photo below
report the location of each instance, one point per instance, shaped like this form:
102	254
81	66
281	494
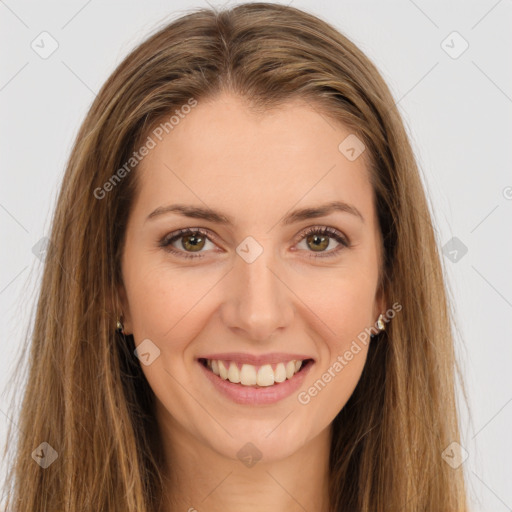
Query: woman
243	304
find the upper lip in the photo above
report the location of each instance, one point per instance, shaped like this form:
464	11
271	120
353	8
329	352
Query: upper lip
257	360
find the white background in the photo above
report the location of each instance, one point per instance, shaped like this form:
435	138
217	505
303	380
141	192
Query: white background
456	110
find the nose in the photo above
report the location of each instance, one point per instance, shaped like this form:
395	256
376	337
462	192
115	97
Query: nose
258	303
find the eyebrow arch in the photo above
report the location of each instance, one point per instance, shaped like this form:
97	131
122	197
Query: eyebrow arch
299	215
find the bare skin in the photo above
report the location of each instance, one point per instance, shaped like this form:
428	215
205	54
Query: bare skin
292	298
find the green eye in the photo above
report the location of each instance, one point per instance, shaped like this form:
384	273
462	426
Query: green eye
193	240
319	238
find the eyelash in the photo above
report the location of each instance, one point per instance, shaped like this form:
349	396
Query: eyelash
167	240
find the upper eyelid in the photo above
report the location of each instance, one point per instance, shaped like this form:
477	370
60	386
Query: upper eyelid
176	235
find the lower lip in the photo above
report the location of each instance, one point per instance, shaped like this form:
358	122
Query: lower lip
250	395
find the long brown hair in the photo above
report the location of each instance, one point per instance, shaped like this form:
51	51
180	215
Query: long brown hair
86	395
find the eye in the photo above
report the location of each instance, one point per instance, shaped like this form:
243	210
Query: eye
318	238
193	240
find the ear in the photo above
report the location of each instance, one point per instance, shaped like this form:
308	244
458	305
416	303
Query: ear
123	309
379	304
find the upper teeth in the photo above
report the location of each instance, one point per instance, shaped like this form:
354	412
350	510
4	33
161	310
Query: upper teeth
249	375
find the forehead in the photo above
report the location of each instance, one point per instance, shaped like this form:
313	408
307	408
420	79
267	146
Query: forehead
225	156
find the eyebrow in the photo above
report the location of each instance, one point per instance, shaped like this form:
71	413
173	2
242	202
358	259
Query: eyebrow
216	217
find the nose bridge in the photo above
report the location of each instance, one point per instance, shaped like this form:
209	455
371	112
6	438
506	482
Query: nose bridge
258	303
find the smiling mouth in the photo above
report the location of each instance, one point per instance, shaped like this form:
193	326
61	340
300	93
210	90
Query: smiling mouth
255	376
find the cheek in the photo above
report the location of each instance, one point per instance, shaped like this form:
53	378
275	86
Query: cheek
341	308
166	305
174	304
341	314
343	302
334	386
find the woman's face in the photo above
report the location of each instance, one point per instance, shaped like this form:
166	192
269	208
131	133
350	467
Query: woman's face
253	287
